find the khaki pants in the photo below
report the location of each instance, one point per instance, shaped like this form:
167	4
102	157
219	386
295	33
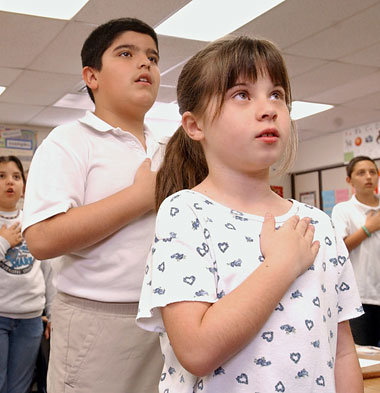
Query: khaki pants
97	348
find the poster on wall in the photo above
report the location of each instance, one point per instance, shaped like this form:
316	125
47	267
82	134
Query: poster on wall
362	141
19	143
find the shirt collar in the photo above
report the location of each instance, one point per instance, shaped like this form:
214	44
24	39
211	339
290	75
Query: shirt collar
100	125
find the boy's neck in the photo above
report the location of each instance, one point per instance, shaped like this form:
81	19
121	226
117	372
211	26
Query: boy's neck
134	125
369	199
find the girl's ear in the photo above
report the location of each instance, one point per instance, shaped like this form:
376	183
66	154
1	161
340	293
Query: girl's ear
192	126
89	76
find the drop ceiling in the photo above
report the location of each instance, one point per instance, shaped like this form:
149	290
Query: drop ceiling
332	49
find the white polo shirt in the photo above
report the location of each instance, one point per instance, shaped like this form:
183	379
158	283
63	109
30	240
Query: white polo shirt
83	162
348	217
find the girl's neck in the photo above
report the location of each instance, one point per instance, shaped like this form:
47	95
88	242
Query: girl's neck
249	194
369	199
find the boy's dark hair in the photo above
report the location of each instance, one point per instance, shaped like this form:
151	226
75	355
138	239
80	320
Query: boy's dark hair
104	35
354	161
17	162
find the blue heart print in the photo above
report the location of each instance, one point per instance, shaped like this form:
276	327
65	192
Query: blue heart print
329	312
242	378
174	197
146	269
166	390
320	381
267	336
171	370
295	357
288	329
196	205
334	261
163	376
235	263
174	211
223	246
249	239
202	251
302	374
315	344
323	288
195	224
172	235
342	259
161	267
230	226
328	241
200	384
201	292
279	387
219	371
206	233
316	301
159	291
309	324
280	307
262	362
344	287
296	294
189	280
324	266
177	256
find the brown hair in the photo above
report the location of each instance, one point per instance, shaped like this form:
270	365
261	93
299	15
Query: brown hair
208	74
351	165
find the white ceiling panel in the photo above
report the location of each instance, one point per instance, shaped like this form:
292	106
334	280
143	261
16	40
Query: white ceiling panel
370	101
295	20
368	56
298	65
23	37
17	113
324	78
62	55
351	90
339	118
343	38
8	75
40	57
39	88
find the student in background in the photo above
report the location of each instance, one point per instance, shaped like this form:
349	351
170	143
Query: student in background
358	222
25	287
241	306
90	198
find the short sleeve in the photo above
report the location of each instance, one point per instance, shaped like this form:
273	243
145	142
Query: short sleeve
180	266
57	176
349	304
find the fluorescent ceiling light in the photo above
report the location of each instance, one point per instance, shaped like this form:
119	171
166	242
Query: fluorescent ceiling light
302	109
46	8
2	89
75	101
207	20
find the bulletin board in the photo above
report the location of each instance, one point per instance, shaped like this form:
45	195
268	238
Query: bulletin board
18	142
362	141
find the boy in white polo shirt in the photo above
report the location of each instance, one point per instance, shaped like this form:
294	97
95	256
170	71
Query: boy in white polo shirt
90	197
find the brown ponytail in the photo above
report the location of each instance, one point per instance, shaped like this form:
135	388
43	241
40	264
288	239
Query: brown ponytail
184	166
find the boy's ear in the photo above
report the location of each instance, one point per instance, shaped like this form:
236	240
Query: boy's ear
348	180
192	126
90	78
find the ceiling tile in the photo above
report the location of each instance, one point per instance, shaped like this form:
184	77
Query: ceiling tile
40	88
326	77
17	113
62	55
8	75
23	37
53	116
368	56
343	38
295	20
